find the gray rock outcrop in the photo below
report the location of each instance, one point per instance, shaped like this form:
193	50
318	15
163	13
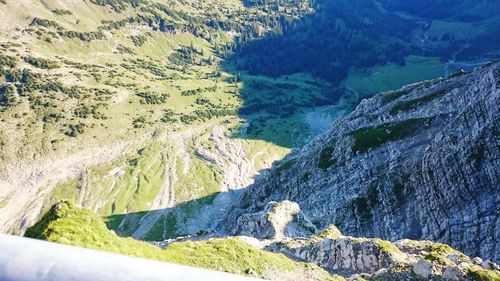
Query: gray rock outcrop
357	257
277	220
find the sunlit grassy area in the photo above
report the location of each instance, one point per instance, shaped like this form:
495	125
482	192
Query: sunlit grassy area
67	224
391	77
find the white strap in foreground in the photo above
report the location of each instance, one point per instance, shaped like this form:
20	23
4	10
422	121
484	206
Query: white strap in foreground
25	259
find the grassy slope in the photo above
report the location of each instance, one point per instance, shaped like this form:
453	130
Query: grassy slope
122	184
131	182
67	224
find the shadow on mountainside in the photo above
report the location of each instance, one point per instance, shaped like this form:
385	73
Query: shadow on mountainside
297	68
194	217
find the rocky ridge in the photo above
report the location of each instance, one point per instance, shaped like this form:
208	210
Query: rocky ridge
417	163
359	258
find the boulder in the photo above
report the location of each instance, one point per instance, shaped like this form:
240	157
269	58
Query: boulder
423	268
453	273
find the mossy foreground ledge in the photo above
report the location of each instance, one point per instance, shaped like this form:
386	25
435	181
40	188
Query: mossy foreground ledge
67	224
328	252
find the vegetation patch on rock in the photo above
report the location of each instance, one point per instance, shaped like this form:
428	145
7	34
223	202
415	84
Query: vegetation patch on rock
325	158
417	102
373	137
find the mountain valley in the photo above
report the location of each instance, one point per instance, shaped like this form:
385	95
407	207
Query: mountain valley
281	128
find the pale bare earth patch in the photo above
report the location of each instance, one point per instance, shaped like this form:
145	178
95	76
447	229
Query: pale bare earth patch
28	185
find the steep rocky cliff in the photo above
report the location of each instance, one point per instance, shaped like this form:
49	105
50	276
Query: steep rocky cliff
419	163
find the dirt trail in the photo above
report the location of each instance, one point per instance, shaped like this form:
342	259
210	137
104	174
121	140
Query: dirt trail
166	197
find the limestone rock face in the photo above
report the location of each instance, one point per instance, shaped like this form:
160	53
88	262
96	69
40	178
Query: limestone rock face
342	255
419	163
277	220
354	257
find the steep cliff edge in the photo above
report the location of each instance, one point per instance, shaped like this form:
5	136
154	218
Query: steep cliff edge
420	163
